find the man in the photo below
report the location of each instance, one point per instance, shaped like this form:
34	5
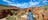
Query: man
30	15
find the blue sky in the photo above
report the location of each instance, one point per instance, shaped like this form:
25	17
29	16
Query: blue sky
24	3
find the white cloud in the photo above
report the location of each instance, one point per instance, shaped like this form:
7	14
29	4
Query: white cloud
45	1
7	1
23	5
33	3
